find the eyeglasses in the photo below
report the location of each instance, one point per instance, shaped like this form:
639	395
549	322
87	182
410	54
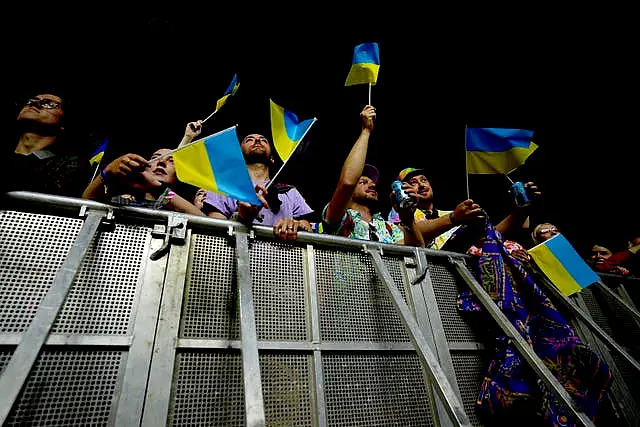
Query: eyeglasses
373	233
548	230
47	103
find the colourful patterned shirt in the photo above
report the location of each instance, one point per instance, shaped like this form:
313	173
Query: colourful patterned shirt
354	227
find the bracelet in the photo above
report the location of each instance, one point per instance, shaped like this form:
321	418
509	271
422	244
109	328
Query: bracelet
452	218
166	196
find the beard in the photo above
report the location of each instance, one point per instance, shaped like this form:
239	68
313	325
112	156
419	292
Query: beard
368	201
253	157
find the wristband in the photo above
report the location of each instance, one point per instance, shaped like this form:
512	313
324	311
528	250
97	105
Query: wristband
104	175
452	218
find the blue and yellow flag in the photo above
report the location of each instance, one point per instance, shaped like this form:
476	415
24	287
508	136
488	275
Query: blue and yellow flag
231	90
560	262
216	163
493	150
365	65
286	130
97	155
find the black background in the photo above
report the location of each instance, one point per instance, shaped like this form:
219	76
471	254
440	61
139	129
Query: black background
138	78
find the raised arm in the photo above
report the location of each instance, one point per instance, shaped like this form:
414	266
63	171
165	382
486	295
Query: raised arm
352	169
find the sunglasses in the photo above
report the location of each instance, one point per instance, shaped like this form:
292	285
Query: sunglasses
47	103
548	230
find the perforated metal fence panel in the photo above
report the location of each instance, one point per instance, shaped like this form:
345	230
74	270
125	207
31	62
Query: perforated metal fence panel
465	335
333	350
77	377
332	347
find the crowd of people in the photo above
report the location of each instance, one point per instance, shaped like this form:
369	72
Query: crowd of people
43	161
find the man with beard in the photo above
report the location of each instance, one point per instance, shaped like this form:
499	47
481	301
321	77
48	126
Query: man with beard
436	226
352	211
283	206
44	159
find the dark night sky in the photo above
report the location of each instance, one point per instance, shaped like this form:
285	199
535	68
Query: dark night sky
139	78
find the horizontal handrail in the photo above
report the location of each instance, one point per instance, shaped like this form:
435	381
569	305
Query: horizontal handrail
62	203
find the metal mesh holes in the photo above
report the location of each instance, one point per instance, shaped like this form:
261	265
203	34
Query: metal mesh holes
5	356
102	297
210	299
287	389
32	249
278	291
375	390
354	305
208	390
68	388
595	310
445	287
470	369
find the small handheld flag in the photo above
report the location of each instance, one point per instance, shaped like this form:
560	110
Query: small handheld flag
497	151
97	155
231	90
560	262
216	163
287	133
286	130
365	65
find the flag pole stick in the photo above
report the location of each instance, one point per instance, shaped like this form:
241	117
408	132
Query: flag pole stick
95	172
272	180
369	93
170	153
508	177
466	160
210	115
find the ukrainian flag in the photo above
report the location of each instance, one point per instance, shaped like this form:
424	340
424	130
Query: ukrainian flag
560	262
216	163
231	90
493	150
97	155
365	65
286	130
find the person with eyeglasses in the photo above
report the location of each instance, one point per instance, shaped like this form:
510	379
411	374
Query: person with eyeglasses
543	232
45	160
353	209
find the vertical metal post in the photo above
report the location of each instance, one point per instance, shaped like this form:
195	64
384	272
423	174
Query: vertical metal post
17	370
436	331
443	387
254	404
310	273
521	345
156	404
134	383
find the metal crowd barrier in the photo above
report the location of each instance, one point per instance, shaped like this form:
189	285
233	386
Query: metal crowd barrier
127	316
